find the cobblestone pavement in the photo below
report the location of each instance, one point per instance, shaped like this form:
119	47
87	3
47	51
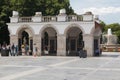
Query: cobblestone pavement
106	67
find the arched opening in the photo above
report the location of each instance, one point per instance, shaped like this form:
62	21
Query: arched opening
49	42
25	40
74	41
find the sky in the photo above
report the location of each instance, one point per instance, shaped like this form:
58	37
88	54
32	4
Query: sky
107	10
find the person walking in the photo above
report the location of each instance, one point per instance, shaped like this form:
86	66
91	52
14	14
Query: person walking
16	50
97	52
13	50
9	49
35	49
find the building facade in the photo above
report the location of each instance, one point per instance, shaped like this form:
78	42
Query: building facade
61	35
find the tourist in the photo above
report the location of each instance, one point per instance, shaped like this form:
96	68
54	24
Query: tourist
23	49
9	49
97	52
35	50
13	50
16	50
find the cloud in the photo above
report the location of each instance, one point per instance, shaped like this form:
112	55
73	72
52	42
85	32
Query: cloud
102	11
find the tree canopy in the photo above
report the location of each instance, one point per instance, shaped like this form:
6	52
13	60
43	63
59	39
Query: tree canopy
47	7
28	8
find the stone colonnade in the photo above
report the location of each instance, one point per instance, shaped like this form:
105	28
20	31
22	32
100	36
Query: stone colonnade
61	43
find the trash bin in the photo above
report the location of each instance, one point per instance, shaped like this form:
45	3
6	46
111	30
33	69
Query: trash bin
4	52
82	53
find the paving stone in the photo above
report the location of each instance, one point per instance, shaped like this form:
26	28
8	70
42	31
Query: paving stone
106	67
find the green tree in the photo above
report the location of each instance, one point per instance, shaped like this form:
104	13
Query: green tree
52	7
103	25
4	18
28	8
24	7
114	27
47	7
118	35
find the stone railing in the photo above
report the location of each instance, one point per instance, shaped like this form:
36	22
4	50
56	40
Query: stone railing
49	18
74	18
25	19
69	18
61	17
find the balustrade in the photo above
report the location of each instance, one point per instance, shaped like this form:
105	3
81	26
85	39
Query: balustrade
69	18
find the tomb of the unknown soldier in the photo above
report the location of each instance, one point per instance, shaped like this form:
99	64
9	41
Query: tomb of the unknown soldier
60	35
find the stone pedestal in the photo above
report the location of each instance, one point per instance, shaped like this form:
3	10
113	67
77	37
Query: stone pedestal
61	45
37	41
14	19
88	16
62	15
37	17
89	44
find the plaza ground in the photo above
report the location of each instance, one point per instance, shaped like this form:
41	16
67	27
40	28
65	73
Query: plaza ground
106	67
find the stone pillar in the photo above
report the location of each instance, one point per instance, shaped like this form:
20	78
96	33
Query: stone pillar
37	41
62	15
37	17
61	45
88	16
99	42
15	17
13	39
89	44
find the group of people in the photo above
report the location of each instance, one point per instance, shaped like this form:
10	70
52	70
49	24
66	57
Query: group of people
9	49
13	50
26	51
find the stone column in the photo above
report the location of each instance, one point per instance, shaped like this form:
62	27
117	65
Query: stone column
13	39
89	44
99	42
37	41
61	45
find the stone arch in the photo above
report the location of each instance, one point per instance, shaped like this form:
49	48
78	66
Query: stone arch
23	39
74	25
74	39
48	35
26	28
48	26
